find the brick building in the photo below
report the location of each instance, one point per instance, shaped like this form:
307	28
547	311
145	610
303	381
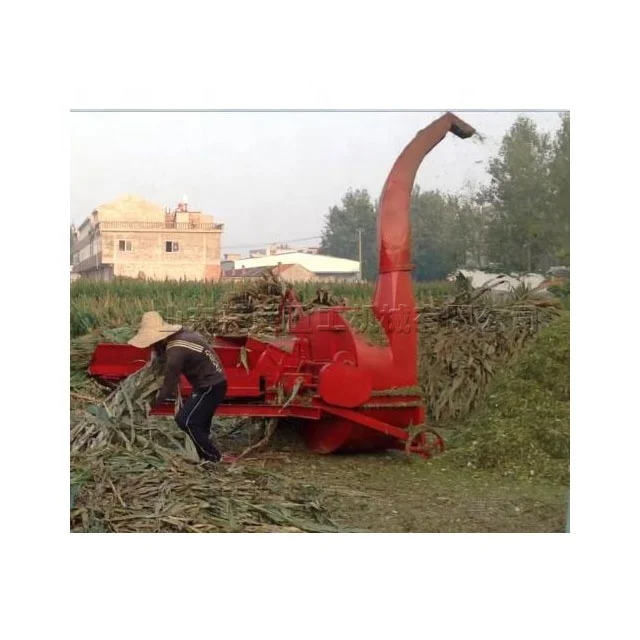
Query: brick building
286	272
134	238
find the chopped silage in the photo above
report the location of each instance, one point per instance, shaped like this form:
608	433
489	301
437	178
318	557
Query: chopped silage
522	426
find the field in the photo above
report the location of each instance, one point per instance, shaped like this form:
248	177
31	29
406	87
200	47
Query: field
99	305
495	380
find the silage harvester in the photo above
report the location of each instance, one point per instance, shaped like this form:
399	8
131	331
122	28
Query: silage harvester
347	394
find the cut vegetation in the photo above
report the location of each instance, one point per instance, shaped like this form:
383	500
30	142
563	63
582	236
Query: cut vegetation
494	378
522	426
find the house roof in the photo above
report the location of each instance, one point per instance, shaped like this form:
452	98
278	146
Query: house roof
313	262
130	208
253	272
133	208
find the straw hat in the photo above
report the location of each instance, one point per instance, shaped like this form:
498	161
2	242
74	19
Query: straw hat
153	329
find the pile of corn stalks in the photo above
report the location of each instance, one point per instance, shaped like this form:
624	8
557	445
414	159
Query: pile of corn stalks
131	474
123	491
253	309
461	346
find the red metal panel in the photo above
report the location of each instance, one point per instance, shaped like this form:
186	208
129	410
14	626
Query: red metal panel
326	332
253	411
344	385
269	411
116	361
359	431
291	380
242	383
368	421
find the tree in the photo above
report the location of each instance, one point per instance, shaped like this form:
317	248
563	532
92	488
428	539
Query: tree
560	187
436	248
340	233
529	198
521	232
470	230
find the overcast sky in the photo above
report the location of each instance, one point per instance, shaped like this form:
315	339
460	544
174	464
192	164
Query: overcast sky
269	177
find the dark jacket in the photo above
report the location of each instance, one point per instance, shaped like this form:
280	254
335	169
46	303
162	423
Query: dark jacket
189	354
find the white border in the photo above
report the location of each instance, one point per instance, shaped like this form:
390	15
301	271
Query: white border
461	55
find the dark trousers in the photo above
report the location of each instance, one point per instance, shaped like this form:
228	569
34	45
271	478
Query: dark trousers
195	415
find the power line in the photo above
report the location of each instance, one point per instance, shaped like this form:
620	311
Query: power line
263	243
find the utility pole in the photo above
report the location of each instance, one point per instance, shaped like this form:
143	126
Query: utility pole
359	255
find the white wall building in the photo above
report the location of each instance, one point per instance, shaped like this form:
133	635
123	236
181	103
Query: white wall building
327	268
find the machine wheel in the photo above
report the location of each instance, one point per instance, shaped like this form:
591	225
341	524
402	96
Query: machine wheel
426	442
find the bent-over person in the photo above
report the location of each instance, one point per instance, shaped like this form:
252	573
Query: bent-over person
187	353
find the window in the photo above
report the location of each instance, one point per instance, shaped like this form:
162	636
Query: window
124	245
171	247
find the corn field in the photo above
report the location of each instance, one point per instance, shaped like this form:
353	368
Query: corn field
122	302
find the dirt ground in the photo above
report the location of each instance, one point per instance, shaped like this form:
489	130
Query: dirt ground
390	492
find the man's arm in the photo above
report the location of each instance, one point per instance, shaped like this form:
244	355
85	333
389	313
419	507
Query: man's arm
173	369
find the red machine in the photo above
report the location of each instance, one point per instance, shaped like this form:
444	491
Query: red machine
352	395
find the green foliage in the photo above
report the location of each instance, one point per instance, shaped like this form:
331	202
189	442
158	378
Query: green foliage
446	230
529	198
522	428
470	230
559	176
434	248
122	302
82	320
562	292
340	234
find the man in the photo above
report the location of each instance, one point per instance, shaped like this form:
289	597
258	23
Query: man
188	353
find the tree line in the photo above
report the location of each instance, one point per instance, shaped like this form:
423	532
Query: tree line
517	222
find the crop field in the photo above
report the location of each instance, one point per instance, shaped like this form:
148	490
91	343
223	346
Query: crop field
100	305
494	377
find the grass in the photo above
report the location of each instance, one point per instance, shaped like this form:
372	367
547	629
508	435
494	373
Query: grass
122	302
522	427
388	492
